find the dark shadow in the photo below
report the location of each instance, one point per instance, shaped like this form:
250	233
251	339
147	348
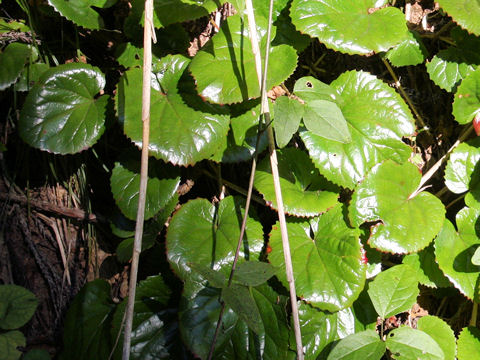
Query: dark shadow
463	261
239	207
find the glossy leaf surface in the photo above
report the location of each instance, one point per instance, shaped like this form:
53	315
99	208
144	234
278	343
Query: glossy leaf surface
288	114
328	269
362	345
462	164
9	342
363	29
409	52
225	68
253	273
162	184
377	119
394	290
12	61
178	133
441	332
203	234
17	306
325	119
407	343
406	224
467	98
239	299
304	191
81	12
454	251
61	113
463	12
468	344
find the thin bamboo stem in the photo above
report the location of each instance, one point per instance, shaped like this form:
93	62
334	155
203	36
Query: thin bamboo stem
148	34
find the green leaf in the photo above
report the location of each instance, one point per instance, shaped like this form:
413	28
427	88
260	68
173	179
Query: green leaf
409	52
9	341
407	343
320	330
468	344
325	119
18	306
214	278
288	114
253	273
239	299
363	345
87	326
467	98
454	251
154	328
12	61
426	267
451	65
61	113
286	31
304	191
178	133
202	233
225	67
30	75
394	291
37	354
310	89
81	12
261	7
476	257
462	164
463	12
162	184
405	224
125	248
377	119
349	25
441	333
328	269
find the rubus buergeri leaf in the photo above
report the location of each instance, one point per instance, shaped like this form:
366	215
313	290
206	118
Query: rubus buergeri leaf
467	98
463	12
12	62
178	133
441	332
454	250
239	299
10	341
62	113
81	12
377	119
328	269
406	343
304	191
394	290
409	52
362	345
253	273
461	166
350	26
404	223
224	69
468	343
17	306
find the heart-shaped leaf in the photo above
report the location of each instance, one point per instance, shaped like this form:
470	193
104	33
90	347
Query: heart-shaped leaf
464	12
467	98
81	12
328	269
407	343
303	189
88	323
19	305
461	166
426	267
468	344
12	61
9	342
325	119
363	345
441	333
454	251
406	224
162	184
451	65
178	133
229	54
377	119
288	114
394	290
206	234
321	329
61	113
409	52
350	26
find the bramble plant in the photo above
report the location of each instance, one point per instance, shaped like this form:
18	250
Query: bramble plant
353	197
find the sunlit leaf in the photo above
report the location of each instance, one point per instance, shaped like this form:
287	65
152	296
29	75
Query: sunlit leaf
406	343
409	52
288	114
467	98
441	333
363	345
464	12
468	344
462	164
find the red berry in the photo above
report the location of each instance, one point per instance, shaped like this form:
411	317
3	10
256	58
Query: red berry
476	123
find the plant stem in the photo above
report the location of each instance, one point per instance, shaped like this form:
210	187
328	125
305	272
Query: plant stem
273	163
137	245
473	318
